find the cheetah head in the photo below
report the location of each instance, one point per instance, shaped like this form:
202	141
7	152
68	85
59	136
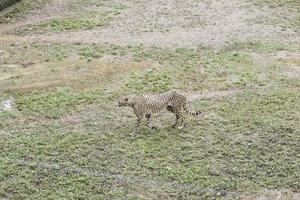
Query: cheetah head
123	101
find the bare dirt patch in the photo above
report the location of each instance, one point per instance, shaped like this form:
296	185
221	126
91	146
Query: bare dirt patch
282	194
192	23
291	63
194	96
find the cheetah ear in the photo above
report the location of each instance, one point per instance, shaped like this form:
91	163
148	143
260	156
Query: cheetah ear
126	98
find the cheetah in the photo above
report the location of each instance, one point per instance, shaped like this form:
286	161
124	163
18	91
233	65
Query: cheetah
148	104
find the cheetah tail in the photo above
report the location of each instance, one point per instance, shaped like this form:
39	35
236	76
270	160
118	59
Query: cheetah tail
192	112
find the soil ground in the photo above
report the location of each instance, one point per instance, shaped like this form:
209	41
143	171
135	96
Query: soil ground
63	65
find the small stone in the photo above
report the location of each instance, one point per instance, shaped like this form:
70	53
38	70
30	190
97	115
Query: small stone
223	193
7	105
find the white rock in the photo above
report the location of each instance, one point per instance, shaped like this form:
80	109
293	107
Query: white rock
7	105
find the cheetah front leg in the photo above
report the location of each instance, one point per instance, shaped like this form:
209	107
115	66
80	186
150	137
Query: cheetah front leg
181	117
137	126
148	117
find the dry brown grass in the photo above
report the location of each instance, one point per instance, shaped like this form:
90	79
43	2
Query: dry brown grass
79	74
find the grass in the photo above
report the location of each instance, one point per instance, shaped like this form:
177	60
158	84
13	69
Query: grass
188	69
68	140
252	145
23	8
56	102
258	46
77	16
286	23
84	21
64	24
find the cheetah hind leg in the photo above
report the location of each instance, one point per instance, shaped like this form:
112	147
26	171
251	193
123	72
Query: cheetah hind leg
148	117
176	122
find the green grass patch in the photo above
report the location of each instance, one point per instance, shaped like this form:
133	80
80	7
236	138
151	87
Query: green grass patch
194	69
243	143
54	103
250	143
148	81
64	24
257	46
90	21
187	69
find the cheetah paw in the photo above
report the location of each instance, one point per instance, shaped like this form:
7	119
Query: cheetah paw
181	127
